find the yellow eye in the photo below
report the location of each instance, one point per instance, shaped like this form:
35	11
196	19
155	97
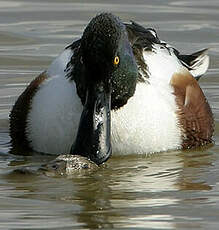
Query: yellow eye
116	60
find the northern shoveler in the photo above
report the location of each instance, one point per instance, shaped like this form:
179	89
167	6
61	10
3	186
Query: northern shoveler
119	88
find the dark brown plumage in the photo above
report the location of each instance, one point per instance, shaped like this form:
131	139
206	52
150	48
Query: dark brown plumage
18	116
195	115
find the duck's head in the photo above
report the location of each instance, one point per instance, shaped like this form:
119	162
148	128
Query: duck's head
105	73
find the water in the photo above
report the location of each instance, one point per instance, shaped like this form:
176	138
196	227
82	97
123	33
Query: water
174	190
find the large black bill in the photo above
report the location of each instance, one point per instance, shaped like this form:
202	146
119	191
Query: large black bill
94	133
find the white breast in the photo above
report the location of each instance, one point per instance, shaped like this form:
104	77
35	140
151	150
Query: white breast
147	124
54	117
56	109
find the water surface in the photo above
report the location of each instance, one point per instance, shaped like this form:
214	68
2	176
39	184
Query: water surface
174	190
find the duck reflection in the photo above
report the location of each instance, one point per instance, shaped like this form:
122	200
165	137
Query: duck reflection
133	188
136	187
196	165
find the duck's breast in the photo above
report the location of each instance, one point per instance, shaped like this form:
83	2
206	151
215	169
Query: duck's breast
147	123
55	111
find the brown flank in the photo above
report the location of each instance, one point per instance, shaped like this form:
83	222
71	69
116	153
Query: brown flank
194	113
18	117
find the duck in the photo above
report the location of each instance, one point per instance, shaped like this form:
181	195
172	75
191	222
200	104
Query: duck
118	89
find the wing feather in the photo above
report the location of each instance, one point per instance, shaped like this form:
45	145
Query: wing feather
194	112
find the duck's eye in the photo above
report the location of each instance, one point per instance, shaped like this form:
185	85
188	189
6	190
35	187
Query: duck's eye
116	60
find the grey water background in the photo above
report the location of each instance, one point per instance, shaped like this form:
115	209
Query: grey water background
173	190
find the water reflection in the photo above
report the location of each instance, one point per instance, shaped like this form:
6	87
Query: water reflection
124	190
195	164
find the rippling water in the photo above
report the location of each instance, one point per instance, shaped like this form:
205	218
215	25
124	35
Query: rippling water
174	190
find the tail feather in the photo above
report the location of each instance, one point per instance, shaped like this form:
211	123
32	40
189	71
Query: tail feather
197	62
